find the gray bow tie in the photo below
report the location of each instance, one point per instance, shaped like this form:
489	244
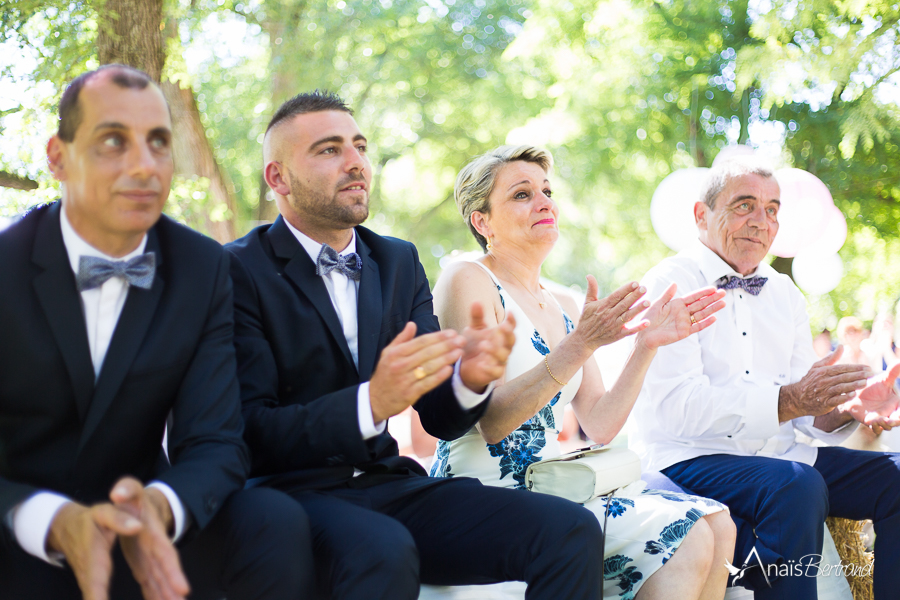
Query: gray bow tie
752	285
329	260
93	271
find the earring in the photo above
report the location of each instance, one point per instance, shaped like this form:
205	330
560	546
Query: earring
489	245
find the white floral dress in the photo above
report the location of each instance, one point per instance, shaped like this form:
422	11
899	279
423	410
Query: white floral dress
644	528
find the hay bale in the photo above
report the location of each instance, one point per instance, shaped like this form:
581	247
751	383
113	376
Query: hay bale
849	540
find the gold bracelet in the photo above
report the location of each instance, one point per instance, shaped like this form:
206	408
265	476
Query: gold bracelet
547	364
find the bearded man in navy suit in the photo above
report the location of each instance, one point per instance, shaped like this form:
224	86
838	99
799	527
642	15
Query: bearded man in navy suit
114	318
335	334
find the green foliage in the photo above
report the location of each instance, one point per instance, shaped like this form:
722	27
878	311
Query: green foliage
622	92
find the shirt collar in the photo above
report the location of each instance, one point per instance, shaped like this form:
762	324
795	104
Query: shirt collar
313	247
76	247
713	268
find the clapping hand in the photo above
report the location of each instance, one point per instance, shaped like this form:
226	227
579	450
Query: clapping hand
153	559
487	349
877	405
826	386
411	366
603	319
671	319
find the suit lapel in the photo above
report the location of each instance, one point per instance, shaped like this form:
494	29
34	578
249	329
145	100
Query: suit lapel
369	310
301	270
61	303
137	315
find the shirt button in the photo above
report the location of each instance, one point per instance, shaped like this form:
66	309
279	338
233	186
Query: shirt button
747	372
745	333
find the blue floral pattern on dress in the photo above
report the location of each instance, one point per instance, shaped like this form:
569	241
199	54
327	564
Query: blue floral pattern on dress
441	465
615	568
522	447
618	506
672	535
518	450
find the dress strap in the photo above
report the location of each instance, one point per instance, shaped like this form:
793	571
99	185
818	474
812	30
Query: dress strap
488	271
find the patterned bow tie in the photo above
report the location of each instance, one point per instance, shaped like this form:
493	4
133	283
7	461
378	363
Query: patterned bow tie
751	285
329	260
93	271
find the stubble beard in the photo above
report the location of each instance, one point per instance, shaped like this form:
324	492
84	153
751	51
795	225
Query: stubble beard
325	210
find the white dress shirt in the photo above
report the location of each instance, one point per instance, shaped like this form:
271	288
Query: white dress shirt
343	292
102	306
716	392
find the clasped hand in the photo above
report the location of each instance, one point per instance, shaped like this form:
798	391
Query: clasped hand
138	518
411	366
667	320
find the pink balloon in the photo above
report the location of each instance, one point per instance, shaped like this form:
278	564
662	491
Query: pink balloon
833	235
805	204
732	151
672	207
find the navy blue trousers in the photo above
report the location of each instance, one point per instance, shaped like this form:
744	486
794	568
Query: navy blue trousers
779	508
380	542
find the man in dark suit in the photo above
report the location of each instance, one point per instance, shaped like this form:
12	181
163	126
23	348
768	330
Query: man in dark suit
113	318
335	333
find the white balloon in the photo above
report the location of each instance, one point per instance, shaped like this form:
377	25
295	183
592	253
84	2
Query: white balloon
732	151
833	236
805	202
672	207
817	273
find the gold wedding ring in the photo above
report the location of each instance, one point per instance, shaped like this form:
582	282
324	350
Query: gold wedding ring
693	320
420	373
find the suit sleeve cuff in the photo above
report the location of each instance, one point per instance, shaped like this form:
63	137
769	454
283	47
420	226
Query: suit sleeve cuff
31	522
761	413
179	515
367	426
467	398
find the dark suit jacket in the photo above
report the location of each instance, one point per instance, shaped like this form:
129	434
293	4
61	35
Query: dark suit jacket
171	350
298	381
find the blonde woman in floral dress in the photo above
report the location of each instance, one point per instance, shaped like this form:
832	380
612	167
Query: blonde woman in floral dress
658	544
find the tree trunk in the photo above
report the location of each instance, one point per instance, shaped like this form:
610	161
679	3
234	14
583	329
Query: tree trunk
11	180
194	156
132	32
286	45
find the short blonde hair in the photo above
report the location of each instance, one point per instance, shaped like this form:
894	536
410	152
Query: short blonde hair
475	181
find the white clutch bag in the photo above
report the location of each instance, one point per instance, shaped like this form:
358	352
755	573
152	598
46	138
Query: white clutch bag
584	474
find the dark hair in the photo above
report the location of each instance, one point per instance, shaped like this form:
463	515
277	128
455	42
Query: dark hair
308	102
69	110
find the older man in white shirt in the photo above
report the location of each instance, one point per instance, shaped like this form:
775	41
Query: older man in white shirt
720	411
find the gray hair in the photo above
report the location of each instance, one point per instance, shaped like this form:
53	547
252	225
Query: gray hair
475	181
721	174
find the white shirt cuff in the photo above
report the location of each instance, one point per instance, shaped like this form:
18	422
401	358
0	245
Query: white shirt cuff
761	413
367	426
31	522
179	515
466	397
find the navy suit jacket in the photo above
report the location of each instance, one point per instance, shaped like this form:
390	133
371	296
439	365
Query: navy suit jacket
171	350
298	381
